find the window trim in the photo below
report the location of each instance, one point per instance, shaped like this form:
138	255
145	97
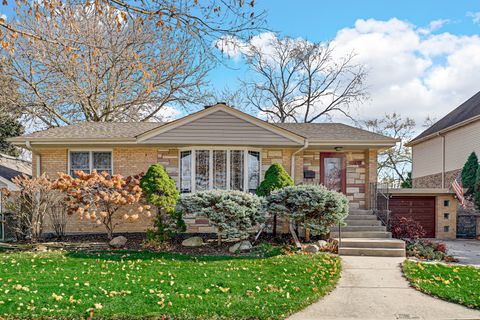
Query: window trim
90	157
228	175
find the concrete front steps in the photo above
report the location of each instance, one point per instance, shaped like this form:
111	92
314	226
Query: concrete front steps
364	235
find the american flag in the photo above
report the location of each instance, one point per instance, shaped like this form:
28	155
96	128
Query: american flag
458	188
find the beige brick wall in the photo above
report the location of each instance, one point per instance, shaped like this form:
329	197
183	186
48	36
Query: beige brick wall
441	222
132	161
53	160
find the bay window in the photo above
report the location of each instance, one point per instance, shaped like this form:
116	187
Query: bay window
226	169
87	161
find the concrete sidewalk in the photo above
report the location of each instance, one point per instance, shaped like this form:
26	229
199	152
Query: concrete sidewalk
374	288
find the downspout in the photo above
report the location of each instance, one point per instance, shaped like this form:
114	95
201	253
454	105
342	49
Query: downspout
443	160
37	163
292	169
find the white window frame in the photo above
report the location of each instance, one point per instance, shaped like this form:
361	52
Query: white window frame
90	157
210	180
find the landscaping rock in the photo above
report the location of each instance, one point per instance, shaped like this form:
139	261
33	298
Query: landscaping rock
40	248
241	246
322	243
193	242
311	248
118	242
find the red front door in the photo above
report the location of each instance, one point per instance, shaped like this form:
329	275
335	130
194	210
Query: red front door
333	171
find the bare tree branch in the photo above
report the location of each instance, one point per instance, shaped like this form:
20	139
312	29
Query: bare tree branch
127	72
300	81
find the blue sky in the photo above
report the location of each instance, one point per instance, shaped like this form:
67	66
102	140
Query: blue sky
429	58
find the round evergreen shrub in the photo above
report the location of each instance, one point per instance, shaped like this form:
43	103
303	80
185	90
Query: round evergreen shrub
312	206
233	213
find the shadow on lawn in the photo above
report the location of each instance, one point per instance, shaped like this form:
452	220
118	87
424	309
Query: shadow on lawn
148	255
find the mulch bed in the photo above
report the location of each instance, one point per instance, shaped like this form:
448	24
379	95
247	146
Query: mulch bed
211	248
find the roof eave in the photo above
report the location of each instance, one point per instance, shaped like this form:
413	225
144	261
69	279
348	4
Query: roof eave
23	142
440	132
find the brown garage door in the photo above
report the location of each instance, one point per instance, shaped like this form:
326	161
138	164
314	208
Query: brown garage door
422	209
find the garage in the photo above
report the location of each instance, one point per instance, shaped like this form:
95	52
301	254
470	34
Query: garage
421	209
434	209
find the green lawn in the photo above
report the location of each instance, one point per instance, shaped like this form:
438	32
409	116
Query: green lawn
459	284
141	284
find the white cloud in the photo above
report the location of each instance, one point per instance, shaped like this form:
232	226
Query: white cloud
412	70
475	16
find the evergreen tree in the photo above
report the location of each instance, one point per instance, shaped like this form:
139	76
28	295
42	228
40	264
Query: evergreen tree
161	191
477	189
469	174
9	127
275	178
407	184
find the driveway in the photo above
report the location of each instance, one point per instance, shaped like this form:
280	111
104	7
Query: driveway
374	288
466	251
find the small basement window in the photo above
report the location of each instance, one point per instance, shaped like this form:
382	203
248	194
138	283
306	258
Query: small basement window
446	203
446	216
446	229
87	161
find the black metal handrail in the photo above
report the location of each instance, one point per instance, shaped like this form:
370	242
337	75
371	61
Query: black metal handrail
380	201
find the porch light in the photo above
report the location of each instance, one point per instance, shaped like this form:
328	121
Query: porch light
338	149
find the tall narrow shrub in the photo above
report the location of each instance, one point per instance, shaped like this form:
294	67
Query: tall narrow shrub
477	189
469	174
161	191
275	178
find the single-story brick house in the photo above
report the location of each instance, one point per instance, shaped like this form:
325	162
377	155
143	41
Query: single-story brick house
217	147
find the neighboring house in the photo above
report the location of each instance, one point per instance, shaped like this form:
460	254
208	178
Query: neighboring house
11	167
440	152
218	147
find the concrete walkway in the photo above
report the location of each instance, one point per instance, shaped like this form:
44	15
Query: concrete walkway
374	288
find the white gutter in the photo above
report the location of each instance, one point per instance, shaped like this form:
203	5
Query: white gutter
443	159
292	169
38	166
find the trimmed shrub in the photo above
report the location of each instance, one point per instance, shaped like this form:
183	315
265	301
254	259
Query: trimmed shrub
469	174
406	228
161	191
315	207
233	213
275	178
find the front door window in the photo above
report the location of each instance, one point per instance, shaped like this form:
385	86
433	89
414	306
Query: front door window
333	173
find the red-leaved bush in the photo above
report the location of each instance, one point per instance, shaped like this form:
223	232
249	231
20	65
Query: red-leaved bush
406	228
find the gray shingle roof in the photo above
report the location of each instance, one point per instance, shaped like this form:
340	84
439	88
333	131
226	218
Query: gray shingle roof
96	130
467	110
129	130
332	131
9	174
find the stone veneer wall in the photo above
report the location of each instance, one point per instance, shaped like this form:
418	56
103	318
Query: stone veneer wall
356	189
435	180
361	168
